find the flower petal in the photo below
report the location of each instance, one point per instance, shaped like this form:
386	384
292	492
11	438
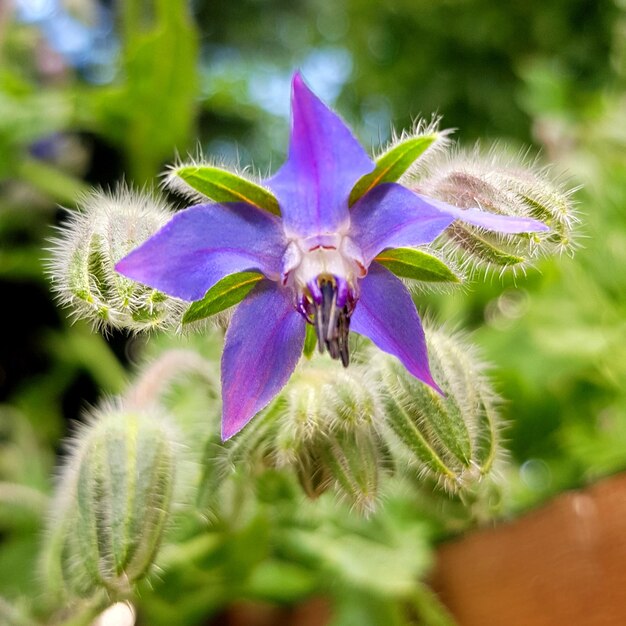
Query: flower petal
508	224
324	163
386	314
263	345
201	245
392	216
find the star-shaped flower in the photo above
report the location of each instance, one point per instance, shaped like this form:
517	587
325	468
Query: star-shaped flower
317	259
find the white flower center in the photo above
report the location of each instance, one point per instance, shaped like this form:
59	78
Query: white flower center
323	272
331	255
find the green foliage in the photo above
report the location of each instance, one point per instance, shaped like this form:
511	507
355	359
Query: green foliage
532	70
462	59
151	113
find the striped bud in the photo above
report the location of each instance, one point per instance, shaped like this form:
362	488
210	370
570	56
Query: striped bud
452	438
505	185
326	431
113	502
81	267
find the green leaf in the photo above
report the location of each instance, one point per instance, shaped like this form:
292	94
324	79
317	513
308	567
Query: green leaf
224	186
416	264
226	293
393	163
51	180
310	341
153	112
280	581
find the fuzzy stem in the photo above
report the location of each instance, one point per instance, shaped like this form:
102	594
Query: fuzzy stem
156	378
53	182
192	550
88	611
429	607
24	497
13	615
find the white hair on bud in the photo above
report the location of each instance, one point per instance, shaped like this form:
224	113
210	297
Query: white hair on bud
113	423
81	266
323	398
324	427
468	411
345	430
499	181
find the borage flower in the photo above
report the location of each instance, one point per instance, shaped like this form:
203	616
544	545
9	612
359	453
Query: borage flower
317	259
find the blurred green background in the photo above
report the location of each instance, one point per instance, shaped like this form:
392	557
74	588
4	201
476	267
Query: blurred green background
93	92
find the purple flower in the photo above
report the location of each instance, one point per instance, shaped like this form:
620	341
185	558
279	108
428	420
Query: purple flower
317	260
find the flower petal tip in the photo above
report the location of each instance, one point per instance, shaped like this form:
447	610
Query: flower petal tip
230	429
299	89
120	266
126	267
297	80
433	385
130	268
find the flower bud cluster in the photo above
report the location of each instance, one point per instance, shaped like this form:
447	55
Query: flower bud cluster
113	502
503	184
327	431
451	438
324	428
104	229
345	430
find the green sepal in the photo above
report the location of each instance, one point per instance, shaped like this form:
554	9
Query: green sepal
224	186
310	341
226	293
352	460
409	432
393	163
417	265
484	249
555	216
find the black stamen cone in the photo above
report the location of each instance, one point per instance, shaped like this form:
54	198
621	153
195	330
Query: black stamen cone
332	324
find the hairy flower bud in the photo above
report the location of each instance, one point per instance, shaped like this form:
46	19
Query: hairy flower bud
113	502
452	438
501	184
326	430
340	429
106	227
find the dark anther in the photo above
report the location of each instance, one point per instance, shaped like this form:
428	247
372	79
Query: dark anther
332	324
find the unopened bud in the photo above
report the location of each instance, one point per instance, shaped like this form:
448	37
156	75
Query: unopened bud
105	228
452	438
327	431
504	185
113	502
